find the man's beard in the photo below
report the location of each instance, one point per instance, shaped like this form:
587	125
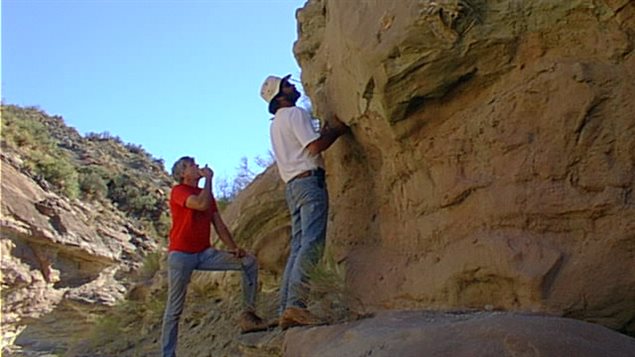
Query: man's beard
293	97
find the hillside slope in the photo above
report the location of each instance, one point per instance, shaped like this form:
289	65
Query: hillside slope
80	215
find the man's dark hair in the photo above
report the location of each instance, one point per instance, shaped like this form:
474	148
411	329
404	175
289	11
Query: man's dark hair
274	105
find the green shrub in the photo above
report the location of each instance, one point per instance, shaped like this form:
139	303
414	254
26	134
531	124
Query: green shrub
135	149
24	131
123	190
142	204
92	184
151	264
138	200
58	172
163	224
57	154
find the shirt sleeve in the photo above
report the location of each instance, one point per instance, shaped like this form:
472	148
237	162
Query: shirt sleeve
302	127
179	195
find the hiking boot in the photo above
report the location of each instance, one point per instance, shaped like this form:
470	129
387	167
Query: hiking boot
250	322
296	316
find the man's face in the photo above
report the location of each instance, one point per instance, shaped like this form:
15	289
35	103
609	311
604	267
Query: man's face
289	91
191	170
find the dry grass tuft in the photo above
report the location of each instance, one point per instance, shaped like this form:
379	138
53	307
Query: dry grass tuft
328	296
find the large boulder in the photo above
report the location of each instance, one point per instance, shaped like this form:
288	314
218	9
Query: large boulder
259	219
458	334
491	160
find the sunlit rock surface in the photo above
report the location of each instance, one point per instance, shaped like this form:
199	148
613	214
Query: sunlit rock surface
491	160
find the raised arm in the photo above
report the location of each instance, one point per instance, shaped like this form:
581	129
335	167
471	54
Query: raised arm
328	135
203	200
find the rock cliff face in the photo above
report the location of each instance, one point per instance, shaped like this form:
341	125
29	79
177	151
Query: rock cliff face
490	166
62	261
65	261
259	218
491	161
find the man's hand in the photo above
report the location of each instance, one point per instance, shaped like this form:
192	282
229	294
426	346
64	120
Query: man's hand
206	172
238	252
336	125
331	130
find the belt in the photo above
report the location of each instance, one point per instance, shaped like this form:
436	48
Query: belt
316	172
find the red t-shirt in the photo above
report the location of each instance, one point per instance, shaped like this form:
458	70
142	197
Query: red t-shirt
190	232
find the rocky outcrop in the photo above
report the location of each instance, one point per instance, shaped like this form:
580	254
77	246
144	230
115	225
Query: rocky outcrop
458	334
62	261
259	219
491	161
490	167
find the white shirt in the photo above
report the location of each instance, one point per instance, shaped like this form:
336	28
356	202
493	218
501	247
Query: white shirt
291	132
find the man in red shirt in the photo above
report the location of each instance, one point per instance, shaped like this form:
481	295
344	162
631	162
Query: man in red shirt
193	212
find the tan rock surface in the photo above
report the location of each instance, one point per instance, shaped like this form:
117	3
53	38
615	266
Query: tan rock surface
61	261
491	160
491	165
405	334
259	219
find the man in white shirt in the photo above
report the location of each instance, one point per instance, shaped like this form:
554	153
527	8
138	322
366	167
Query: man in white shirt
297	148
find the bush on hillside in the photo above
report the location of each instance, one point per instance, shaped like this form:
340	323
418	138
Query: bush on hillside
104	136
26	134
137	200
59	173
92	182
22	131
135	149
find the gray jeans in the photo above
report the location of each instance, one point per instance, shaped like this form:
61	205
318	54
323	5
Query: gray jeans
180	268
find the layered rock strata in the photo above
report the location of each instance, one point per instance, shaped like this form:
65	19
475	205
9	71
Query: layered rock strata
62	261
491	161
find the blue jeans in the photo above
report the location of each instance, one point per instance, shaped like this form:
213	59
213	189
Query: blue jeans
307	199
180	268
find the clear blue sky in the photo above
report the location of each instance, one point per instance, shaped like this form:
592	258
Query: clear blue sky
178	77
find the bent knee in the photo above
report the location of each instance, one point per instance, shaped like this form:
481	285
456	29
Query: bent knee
249	261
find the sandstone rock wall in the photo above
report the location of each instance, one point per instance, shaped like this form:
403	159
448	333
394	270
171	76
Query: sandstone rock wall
259	219
492	155
62	261
422	333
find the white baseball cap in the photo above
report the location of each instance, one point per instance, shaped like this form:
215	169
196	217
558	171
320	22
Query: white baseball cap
271	87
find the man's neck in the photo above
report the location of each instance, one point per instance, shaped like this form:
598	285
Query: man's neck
192	182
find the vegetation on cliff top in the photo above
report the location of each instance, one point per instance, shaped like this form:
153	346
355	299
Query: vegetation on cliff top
97	167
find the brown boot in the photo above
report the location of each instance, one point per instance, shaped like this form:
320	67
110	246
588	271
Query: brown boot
250	322
295	316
